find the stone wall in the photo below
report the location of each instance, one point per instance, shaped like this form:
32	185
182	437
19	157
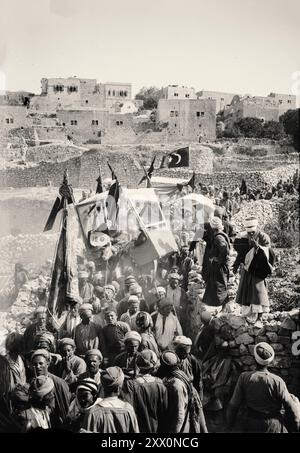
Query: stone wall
53	152
237	338
83	170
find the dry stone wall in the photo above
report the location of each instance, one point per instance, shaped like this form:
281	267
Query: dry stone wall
237	338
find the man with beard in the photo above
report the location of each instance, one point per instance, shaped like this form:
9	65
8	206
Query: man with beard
38	326
188	362
71	366
86	398
87	332
127	359
93	360
86	289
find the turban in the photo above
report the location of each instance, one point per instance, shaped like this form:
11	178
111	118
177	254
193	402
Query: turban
107	181
174	276
42	352
143	320
251	224
115	285
48	337
40	310
41	386
216	223
161	289
83	274
111	287
133	298
73	299
133	335
95	352
84	307
112	377
135	289
182	340
147	360
130	279
169	359
87	384
264	354
68	341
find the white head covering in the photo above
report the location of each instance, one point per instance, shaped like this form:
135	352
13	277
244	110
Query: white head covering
216	223
181	339
251	224
264	347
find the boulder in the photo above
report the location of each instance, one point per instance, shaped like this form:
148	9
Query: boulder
248	360
283	339
277	347
243	349
236	321
272	337
288	324
244	338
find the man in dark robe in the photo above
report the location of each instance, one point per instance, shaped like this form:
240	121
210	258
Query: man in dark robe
216	292
147	394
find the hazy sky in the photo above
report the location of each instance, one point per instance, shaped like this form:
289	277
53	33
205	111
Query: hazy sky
238	46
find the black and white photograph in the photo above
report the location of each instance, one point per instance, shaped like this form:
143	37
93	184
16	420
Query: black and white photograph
149	232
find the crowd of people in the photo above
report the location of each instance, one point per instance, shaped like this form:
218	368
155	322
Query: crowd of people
121	357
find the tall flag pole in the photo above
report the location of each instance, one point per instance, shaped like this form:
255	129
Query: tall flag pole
148	174
61	278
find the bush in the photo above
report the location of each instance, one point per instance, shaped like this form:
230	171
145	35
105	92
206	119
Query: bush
273	130
250	127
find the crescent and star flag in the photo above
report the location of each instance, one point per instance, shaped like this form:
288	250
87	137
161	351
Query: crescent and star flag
65	191
176	159
149	173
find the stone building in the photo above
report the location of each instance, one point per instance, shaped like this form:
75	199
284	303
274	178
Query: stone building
223	100
77	93
190	119
178	92
91	125
267	108
12	117
15	98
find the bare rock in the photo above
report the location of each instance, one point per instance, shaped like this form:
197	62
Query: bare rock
244	338
288	324
236	321
272	337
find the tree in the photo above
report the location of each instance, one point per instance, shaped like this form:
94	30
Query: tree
290	121
150	96
273	130
250	127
